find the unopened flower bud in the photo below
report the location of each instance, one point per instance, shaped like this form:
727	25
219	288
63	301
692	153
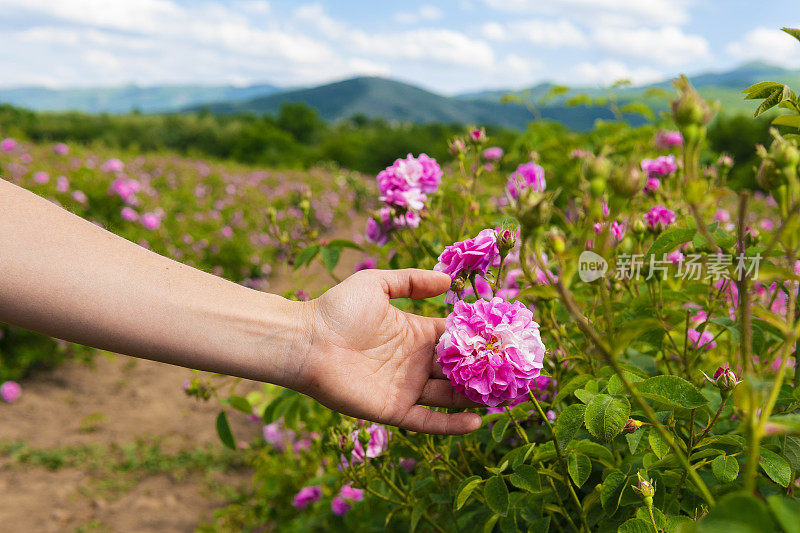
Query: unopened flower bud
556	241
457	284
724	379
506	240
627	181
690	109
638	227
477	136
457	147
646	488
598	167
725	161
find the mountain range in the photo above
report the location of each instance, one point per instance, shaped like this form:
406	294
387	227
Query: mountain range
389	99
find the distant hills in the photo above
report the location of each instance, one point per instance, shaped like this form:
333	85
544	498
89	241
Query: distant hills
385	98
159	99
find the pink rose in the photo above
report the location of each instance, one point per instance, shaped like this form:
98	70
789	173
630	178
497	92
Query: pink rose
307	496
10	391
527	176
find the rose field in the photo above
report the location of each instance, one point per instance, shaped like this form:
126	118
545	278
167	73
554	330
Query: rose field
623	313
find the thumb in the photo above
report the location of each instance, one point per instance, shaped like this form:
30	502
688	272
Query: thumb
413	282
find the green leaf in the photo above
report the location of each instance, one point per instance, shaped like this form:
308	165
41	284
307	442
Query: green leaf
416	514
526	477
672	391
606	415
541	525
224	431
787	511
635	525
568	423
658	444
240	404
464	490
737	513
343	243
579	467
524	452
792	121
634	439
488	527
612	490
572	385
496	494
306	255
791	451
330	257
725	468
776	467
793	32
499	429
669	240
761	90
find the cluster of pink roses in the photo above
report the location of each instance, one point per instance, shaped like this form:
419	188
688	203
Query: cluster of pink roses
659	217
378	443
528	176
404	187
658	168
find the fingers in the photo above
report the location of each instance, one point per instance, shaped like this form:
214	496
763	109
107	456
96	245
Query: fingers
423	420
440	393
413	282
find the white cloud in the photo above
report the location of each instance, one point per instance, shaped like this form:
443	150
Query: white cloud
549	33
618	12
424	13
767	44
609	71
666	45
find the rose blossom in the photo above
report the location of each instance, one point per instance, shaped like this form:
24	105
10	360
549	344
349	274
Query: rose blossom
538	388
659	217
112	165
8	144
705	340
129	214
339	506
660	166
668	139
491	351
61	149
527	176
62	184
652	185
407	181
366	264
10	391
306	496
493	153
151	221
465	257
41	177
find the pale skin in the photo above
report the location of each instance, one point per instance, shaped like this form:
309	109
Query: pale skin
350	349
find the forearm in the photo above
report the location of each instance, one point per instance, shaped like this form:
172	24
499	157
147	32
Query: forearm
63	276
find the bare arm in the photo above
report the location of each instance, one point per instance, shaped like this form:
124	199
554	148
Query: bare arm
63	276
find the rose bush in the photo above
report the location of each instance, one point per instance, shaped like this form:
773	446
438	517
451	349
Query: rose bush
659	396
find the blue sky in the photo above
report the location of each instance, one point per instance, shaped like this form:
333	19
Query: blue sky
449	46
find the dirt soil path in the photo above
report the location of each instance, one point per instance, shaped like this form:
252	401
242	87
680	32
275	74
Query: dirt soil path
114	402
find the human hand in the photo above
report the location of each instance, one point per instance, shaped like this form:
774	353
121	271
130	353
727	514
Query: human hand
370	360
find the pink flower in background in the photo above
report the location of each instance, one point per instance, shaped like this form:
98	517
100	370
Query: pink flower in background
703	340
675	257
366	264
378	443
8	144
527	176
226	232
618	230
652	185
129	214
407	181
659	167
339	506
41	177
376	232
668	139
125	188
62	184
80	197
61	149
307	496
113	165
409	463
301	295
10	391
659	217
493	153
470	256
349	493
151	221
491	351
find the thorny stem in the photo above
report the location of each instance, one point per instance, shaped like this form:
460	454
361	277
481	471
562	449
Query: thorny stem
605	350
560	455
